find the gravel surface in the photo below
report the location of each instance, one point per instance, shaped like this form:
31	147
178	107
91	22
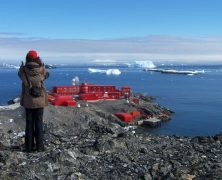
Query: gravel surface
91	143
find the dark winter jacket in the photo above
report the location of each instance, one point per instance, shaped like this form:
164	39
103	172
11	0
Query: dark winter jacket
36	75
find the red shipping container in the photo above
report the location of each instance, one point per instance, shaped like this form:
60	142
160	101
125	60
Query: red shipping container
126	117
70	103
60	100
57	103
135	113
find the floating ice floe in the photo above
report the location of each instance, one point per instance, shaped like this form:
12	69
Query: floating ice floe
173	71
96	70
108	71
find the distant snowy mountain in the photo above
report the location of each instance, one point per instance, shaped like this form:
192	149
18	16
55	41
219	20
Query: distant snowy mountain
11	66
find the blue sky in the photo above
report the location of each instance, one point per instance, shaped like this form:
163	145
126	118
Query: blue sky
41	23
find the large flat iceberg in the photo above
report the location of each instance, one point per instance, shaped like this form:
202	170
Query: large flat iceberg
96	70
173	71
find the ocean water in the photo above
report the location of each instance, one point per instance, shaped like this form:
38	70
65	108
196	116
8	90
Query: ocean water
196	100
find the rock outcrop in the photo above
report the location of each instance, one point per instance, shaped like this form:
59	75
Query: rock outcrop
90	143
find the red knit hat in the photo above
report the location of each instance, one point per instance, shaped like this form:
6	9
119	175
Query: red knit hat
32	54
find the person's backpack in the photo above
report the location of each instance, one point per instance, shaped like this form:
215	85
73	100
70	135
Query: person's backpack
34	91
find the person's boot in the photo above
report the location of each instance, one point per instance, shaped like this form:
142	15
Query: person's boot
41	149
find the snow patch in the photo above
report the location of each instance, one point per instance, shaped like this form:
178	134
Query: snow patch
20	134
10	107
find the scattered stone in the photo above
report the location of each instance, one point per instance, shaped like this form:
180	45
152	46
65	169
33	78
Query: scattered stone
90	143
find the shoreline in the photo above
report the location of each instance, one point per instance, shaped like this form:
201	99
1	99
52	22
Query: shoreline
89	143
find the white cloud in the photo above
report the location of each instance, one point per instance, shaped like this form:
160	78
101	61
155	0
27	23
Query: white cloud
156	48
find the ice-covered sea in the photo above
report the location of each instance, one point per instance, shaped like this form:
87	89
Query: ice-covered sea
195	99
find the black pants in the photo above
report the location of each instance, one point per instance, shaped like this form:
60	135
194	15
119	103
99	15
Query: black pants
34	129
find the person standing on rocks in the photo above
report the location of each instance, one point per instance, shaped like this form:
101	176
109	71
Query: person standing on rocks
33	99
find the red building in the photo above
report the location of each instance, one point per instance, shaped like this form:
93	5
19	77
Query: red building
93	92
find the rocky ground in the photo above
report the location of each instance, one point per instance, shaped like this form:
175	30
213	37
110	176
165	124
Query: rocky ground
90	143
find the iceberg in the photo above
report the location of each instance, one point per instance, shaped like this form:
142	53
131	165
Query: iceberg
145	64
113	72
96	70
129	65
107	72
141	64
173	71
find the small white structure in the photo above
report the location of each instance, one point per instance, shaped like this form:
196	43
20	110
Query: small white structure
75	81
